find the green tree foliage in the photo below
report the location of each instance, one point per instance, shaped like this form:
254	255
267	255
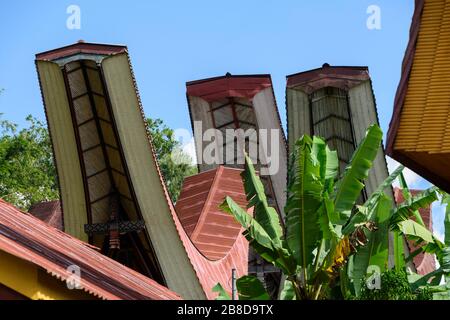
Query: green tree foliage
394	285
175	165
27	173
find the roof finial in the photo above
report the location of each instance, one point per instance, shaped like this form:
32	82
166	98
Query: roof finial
228	74
325	65
81	41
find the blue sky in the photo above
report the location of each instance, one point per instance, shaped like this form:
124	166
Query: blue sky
171	42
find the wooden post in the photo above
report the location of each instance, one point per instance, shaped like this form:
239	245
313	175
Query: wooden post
233	284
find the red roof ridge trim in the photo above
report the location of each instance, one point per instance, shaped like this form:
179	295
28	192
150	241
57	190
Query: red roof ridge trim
81	47
344	77
240	86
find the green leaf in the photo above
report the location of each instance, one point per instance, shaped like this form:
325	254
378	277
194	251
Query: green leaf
271	251
266	216
303	201
407	195
446	201
223	294
375	253
415	230
326	213
399	251
349	187
385	184
332	166
417	281
406	209
360	216
250	288
253	230
288	292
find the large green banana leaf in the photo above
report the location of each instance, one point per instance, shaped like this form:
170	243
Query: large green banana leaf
266	216
406	209
270	250
376	252
326	213
349	187
398	237
399	250
407	195
328	160
288	291
401	224
415	231
361	215
372	200
250	288
303	201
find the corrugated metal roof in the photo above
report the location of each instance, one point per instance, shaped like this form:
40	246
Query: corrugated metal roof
241	86
192	199
30	239
209	272
423	262
49	212
212	238
240	102
212	231
81	47
343	77
419	135
214	263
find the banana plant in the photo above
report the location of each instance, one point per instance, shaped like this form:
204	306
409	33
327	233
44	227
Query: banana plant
407	222
329	241
324	225
437	281
395	218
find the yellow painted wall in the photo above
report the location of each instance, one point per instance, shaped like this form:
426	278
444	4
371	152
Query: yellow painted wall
33	282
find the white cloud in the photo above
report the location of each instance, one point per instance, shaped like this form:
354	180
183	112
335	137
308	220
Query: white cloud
189	148
412	178
438	212
185	138
439	235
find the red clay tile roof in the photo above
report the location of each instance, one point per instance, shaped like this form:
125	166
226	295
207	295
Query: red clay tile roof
424	262
49	212
30	239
